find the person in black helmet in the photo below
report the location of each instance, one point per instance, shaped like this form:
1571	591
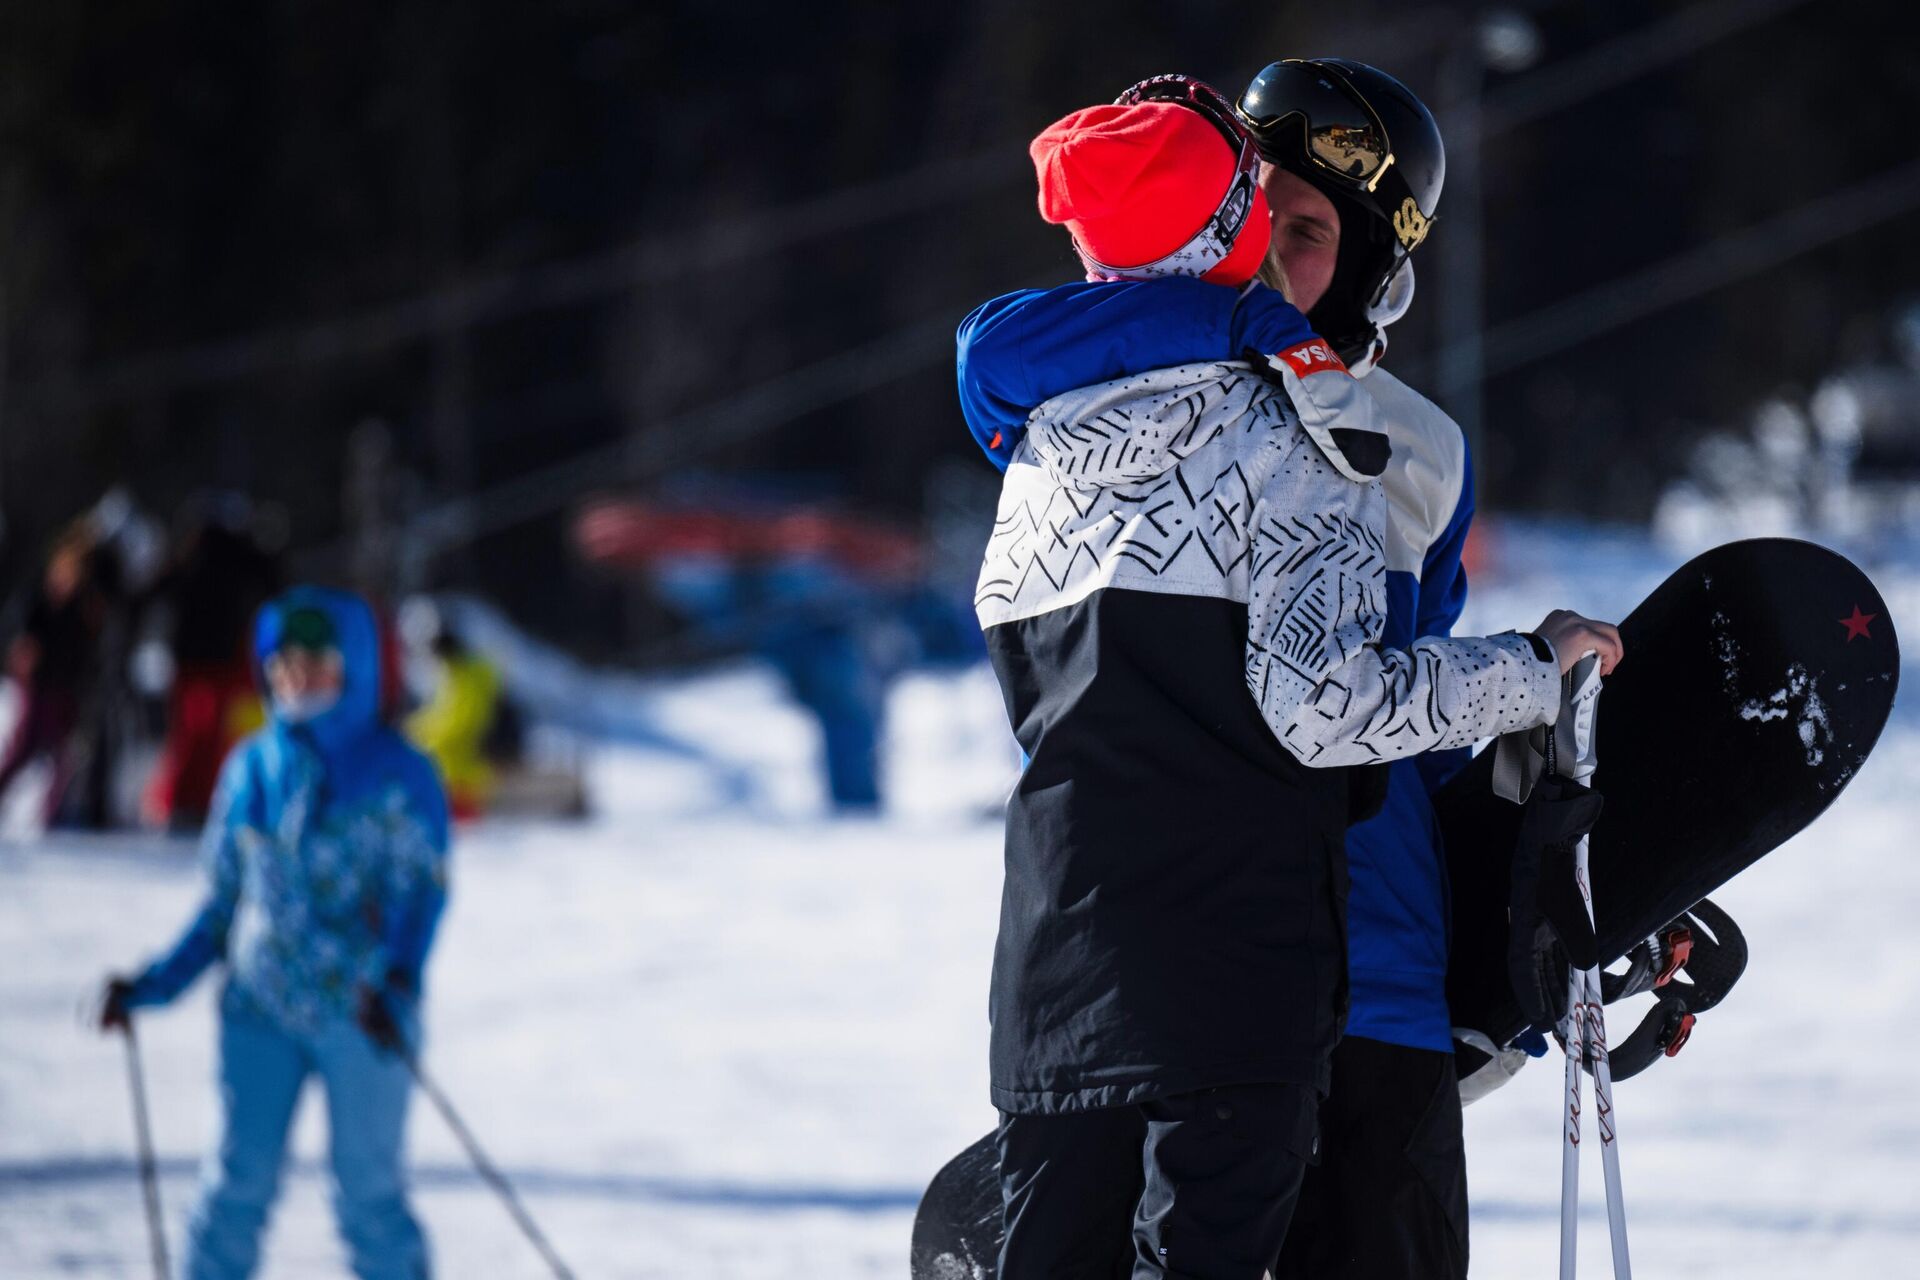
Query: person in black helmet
1355	165
1352	173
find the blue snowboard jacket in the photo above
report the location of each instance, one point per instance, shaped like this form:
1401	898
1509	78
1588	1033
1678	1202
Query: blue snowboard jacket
325	853
1022	349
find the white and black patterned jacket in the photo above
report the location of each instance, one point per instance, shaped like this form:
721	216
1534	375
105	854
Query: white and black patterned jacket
1183	598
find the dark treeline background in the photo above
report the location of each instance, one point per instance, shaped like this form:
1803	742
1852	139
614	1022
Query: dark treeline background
637	240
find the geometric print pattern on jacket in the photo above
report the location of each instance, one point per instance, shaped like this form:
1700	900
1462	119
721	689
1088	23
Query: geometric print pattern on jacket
1209	480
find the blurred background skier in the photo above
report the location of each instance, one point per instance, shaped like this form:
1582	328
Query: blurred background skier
453	723
220	572
326	860
52	663
838	604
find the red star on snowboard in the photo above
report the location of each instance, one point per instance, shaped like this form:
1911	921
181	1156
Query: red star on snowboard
1857	625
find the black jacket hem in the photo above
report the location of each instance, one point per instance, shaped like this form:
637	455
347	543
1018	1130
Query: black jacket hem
1315	1071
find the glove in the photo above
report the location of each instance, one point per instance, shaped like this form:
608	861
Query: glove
116	1004
376	1018
1549	934
375	1014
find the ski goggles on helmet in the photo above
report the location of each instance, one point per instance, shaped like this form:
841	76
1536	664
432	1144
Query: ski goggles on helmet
1343	134
1215	240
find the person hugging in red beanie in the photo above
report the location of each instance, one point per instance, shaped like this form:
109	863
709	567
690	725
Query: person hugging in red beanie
1152	187
1183	598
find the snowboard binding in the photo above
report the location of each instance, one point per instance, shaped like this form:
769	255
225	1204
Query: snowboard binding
1706	949
1689	965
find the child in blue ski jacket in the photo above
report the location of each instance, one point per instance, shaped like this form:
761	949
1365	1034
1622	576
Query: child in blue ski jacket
326	861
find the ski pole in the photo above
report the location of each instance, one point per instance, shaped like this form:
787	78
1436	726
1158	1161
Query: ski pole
485	1167
1587	1044
1586	1033
1610	1145
1570	1130
1596	1055
149	1168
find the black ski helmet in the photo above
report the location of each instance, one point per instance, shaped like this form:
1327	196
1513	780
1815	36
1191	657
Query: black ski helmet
1365	141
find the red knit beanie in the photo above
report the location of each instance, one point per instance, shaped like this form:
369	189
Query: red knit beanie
1133	183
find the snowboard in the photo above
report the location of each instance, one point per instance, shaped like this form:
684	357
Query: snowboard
1756	680
956	1232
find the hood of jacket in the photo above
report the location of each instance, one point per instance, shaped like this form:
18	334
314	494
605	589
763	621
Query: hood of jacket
1136	428
358	709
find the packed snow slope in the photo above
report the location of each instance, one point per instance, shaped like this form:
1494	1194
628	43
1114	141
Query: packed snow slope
714	1035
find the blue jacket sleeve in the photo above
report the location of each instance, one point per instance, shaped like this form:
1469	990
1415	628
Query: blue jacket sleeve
419	882
1443	578
205	938
1443	597
1022	349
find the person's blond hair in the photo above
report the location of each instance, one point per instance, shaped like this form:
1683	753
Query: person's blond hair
1273	273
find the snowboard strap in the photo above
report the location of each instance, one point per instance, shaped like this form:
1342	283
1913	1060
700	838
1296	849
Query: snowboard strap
1705	946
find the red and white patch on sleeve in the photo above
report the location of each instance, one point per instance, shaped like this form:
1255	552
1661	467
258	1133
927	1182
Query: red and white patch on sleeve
1312	356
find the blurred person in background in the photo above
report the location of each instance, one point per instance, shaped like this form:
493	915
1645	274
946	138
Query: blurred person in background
453	724
817	628
326	861
126	547
833	602
53	662
1388	1196
219	574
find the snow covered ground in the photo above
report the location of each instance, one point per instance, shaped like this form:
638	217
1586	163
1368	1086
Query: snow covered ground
714	1036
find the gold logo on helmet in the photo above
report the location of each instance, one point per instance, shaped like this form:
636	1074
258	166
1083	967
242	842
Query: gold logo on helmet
1411	225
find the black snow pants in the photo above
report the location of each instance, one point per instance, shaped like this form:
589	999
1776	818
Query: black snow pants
1197	1186
1388	1200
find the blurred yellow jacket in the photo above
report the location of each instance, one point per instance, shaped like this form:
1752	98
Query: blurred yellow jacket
451	727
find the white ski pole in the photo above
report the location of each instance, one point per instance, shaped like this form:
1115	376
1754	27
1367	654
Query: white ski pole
1586	1031
1575	1039
1603	1113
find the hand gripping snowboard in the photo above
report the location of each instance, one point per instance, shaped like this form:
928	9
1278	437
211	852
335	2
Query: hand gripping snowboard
1756	680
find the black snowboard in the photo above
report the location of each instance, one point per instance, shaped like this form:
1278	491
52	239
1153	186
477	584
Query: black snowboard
956	1233
1757	679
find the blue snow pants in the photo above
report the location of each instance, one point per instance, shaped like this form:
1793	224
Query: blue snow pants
261	1071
